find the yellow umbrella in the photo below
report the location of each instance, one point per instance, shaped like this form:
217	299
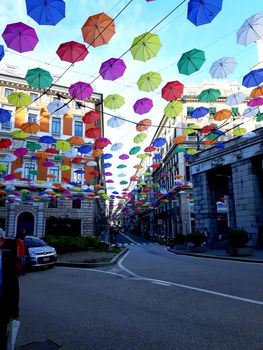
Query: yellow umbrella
191	151
63	145
19	134
65	167
239	131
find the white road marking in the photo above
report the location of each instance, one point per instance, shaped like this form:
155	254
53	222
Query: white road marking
130	239
162	284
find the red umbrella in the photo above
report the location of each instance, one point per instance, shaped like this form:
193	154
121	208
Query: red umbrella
72	52
93	133
112	69
20	37
76	160
172	90
5	143
52	151
207	129
91	117
94	172
66	179
80	90
102	142
150	149
155	166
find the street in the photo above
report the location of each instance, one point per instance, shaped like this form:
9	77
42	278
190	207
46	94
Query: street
151	299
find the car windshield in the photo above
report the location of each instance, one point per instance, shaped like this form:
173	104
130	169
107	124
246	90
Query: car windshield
34	242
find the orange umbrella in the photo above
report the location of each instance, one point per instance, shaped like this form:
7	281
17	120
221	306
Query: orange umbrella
222	114
98	29
144	124
51	176
257	92
77	140
178	176
30	127
179	139
41	155
138	166
210	142
97	152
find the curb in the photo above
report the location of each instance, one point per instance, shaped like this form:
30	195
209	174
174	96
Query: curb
216	257
113	261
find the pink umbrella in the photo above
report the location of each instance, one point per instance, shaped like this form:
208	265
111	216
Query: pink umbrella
48	164
9	177
72	52
20	37
112	69
80	90
258	101
20	152
124	156
143	105
172	90
102	142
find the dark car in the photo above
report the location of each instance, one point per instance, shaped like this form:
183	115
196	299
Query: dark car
39	253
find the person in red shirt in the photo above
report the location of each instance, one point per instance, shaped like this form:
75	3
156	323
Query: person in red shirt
21	252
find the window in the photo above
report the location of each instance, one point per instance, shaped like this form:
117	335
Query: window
76	203
56	126
7	125
4	172
28	168
212	111
8	92
189	110
34	96
55	172
78	178
78	128
32	117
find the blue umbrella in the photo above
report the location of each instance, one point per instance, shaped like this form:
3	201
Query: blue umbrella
57	108
106	165
5	115
2	52
157	156
47	139
159	142
79	171
201	12
220	145
199	112
115	122
253	78
106	156
85	149
218	132
46	12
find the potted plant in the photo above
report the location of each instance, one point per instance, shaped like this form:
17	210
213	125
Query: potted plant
237	242
197	239
178	241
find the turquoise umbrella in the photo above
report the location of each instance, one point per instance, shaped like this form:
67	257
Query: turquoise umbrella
38	78
191	61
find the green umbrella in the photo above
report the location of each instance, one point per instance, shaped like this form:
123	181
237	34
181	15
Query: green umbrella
149	81
260	117
33	146
121	166
39	78
145	46
140	137
191	61
19	134
142	156
212	136
114	101
209	95
239	131
34	172
146	173
173	109
19	99
180	150
134	150
59	158
123	182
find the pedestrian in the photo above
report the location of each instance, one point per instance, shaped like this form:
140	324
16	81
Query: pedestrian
206	234
113	234
9	289
21	252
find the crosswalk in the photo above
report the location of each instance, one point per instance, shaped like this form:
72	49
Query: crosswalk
138	243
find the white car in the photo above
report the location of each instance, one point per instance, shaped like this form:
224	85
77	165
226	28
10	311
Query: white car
39	253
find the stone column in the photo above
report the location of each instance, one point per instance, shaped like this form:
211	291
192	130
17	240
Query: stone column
185	212
231	204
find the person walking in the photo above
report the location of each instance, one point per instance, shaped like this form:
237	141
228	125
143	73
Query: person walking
21	252
9	288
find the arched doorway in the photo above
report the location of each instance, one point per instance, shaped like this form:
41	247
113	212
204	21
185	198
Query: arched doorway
26	221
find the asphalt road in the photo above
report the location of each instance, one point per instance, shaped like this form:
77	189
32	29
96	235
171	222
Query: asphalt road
151	300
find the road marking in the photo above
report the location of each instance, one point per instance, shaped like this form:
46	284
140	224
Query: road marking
130	239
162	284
92	270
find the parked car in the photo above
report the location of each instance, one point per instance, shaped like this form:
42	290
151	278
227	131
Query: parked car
39	253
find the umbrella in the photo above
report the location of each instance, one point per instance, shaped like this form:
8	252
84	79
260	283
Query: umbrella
207	129
222	114
121	166
114	101
72	52
221	68
77	160
93	133
47	139
179	139
19	134
91	117
173	109
9	177
124	156
145	46
157	156
191	61
98	29
2	52
159	142
201	12
97	153
9	157
48	164
257	92
106	165
251	112
123	182
239	131
80	90
63	145
40	155
51	150
199	112
172	90
30	127
85	149
106	156
91	163
77	140
2	167
112	69
259	117
249	134
258	101
140	137
149	81
20	152
134	150
116	146
46	12
57	108
38	78
143	105
5	115
33	146
253	78
251	30
144	124
65	167
235	99
102	142
209	95
18	170
19	99
115	122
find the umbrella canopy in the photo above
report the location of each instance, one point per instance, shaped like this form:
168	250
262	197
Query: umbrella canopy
106	156
5	143
143	105
33	146
51	150
199	112
2	52
179	139
251	30
221	68
259	117
173	109
201	12
235	99
149	81
102	142
191	61
116	146
253	78
9	157
93	133
207	129
80	90
145	46
20	152
98	29
209	95
38	78
47	139
134	150
20	37
124	156
92	163
258	101
97	152
57	108
30	127
251	112
159	142
222	114
239	131
63	145
115	122
5	115
172	90
112	69
257	92
19	134
91	117
140	137
143	125
114	101
85	149
19	99
46	12
72	52
121	166
76	140
48	164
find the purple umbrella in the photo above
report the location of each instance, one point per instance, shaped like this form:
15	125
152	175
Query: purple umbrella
20	37
48	164
258	101
112	69
124	156
20	152
80	90
108	173
142	106
109	181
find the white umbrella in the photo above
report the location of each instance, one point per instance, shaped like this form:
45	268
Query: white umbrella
115	122
249	134
221	68
18	170
10	158
92	163
57	108
251	30
251	112
116	146
235	99
122	175
71	153
10	188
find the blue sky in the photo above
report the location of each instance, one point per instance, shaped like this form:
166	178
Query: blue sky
177	35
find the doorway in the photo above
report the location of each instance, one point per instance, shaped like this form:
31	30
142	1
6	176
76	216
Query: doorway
26	221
